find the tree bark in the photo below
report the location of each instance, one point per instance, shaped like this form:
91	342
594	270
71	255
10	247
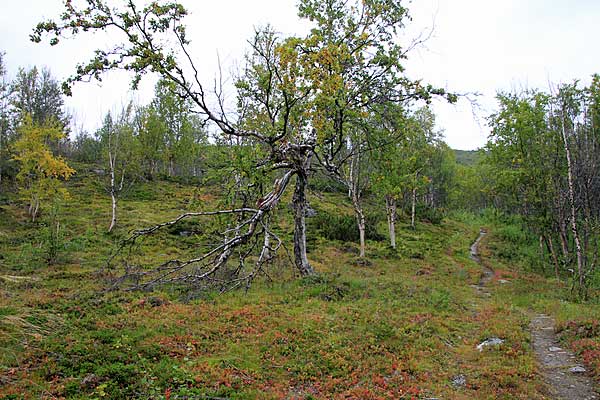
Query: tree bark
360	216
113	220
554	258
112	190
578	249
34	207
299	205
390	205
413	208
564	244
542	258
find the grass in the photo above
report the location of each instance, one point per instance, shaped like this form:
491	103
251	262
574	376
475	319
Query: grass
402	327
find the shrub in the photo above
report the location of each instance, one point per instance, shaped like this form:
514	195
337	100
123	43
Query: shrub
343	227
321	183
429	214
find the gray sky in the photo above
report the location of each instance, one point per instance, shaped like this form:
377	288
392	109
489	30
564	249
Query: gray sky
477	46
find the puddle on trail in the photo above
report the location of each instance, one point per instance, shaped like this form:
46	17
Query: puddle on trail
487	274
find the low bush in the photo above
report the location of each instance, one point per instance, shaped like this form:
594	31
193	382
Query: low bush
344	227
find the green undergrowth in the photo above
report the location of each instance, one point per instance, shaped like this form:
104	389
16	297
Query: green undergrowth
403	325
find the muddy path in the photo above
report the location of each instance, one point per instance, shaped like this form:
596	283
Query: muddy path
565	378
487	274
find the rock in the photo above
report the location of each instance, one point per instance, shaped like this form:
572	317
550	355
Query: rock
363	262
348	248
490	342
459	380
578	369
554	349
185	233
157	301
153	301
90	381
310	212
503	281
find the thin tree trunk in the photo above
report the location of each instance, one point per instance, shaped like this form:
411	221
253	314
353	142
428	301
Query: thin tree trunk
578	249
360	217
113	221
111	164
413	208
564	243
361	229
390	203
299	204
353	183
542	258
554	258
34	207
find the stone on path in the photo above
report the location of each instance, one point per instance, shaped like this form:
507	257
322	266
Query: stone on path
578	369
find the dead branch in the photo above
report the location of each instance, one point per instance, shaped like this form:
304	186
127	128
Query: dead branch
213	268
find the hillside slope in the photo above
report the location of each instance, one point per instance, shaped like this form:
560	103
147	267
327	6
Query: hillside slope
405	325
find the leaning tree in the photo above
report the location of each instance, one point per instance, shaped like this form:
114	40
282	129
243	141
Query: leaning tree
299	101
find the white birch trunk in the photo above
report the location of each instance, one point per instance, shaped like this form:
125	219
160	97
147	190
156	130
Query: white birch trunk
390	204
413	209
299	205
578	249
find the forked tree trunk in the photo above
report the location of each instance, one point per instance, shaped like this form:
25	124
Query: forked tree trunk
299	205
34	207
390	205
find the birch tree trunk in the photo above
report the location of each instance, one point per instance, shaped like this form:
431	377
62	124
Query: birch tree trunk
578	249
390	205
34	207
113	196
413	209
299	205
361	222
113	220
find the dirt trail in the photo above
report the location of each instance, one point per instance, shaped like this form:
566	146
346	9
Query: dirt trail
559	366
487	273
565	378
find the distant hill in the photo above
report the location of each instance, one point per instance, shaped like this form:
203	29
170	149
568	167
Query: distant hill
467	157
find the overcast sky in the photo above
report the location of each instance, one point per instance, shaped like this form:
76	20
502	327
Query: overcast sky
477	46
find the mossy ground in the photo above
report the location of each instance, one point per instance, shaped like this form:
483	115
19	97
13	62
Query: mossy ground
400	328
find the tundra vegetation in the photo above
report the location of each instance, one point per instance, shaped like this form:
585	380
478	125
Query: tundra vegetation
309	240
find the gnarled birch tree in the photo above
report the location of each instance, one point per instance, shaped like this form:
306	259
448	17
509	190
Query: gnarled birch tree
302	96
